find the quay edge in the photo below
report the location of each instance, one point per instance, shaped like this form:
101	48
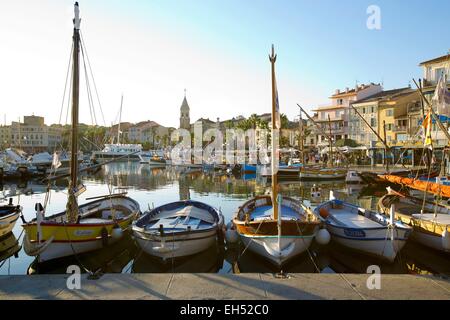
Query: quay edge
250	286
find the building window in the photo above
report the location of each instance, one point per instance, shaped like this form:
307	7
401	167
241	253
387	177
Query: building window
364	110
389	113
373	122
373	109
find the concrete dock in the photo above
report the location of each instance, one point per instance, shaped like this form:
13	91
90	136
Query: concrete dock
252	286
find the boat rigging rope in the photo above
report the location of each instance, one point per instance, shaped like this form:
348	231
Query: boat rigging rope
88	90
65	85
251	239
93	79
307	248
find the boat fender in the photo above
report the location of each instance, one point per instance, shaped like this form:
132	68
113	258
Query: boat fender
220	236
104	235
323	237
116	232
161	230
324	212
446	240
231	235
10	203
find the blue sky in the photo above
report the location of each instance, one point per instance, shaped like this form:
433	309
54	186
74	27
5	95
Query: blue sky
152	50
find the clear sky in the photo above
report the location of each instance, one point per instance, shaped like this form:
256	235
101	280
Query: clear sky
151	50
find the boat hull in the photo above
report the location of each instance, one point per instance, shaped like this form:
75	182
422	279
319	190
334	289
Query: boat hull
381	243
58	239
104	156
319	175
268	247
8	222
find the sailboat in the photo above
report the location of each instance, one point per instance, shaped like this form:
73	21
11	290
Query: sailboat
275	227
319	172
430	220
80	228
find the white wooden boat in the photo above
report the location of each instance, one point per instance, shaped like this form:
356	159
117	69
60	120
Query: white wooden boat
275	227
430	227
353	177
258	229
178	229
8	217
364	230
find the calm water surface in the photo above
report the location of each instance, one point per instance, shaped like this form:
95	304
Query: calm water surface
157	186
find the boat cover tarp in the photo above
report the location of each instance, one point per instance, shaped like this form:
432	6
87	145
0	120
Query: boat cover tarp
188	211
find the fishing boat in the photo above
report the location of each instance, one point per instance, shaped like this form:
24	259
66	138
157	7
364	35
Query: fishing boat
80	228
275	227
352	177
430	220
179	229
259	231
436	188
152	159
364	230
318	174
383	179
8	216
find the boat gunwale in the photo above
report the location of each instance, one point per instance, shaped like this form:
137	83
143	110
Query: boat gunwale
398	223
107	222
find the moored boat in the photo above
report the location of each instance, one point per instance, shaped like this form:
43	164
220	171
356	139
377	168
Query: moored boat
275	227
99	223
178	229
430	221
317	174
8	216
364	230
258	229
151	159
82	228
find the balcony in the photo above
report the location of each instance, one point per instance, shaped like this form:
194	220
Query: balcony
398	128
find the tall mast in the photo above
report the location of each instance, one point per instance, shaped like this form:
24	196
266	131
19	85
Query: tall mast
300	139
273	58
120	119
72	207
331	143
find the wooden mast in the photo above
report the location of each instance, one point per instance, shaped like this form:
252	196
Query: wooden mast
331	143
300	139
273	58
72	207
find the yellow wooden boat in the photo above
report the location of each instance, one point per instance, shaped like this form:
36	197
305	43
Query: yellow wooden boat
430	227
83	228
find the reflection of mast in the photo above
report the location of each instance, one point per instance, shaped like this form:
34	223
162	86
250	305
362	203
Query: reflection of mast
183	184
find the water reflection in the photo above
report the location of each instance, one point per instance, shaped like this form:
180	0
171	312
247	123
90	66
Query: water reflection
154	186
208	261
111	259
9	247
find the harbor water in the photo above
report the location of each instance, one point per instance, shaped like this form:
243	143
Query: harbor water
154	186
